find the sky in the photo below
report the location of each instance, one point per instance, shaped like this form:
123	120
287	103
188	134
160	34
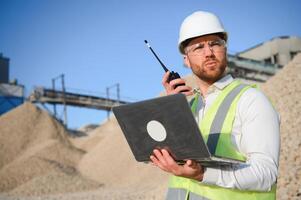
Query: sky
99	43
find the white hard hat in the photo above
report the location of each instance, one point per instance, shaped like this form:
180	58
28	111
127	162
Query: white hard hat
198	24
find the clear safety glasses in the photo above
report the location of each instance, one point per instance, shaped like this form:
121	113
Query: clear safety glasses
199	48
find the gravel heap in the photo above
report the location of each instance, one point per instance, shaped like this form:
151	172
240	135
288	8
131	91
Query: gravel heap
285	93
36	155
39	160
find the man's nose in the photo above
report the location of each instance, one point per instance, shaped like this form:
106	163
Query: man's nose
208	50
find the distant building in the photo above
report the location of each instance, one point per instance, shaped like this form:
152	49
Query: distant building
262	61
4	73
11	94
279	50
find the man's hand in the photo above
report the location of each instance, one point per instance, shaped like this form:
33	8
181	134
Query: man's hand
191	169
171	88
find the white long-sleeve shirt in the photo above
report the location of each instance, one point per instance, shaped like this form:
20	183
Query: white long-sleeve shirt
255	133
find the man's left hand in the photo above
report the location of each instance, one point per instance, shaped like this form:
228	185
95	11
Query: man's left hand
191	169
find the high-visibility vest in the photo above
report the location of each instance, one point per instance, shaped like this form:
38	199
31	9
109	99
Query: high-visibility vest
216	128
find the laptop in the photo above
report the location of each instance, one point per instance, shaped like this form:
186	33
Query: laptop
165	123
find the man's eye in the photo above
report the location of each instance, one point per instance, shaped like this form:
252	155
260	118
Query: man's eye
215	43
199	47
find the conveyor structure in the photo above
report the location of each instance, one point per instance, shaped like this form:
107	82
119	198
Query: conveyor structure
50	96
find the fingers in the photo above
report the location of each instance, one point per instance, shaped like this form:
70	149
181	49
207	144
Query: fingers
177	81
157	163
175	86
159	156
183	89
163	160
191	163
165	79
171	164
158	160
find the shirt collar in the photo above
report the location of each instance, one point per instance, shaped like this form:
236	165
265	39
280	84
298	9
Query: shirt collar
223	82
218	85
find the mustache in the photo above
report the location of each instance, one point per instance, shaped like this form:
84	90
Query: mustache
210	60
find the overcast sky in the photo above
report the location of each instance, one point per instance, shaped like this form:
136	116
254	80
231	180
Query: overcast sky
98	43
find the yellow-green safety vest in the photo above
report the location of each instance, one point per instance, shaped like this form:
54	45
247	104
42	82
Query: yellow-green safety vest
216	128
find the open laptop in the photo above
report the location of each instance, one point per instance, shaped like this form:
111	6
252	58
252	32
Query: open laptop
165	123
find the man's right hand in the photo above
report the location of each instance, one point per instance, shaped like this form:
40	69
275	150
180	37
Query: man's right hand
171	88
191	169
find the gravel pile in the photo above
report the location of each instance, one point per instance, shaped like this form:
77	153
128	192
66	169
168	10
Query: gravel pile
40	161
285	92
36	155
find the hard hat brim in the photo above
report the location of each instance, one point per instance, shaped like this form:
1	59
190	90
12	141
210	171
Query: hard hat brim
184	43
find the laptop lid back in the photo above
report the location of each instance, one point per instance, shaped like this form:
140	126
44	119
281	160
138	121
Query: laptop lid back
165	122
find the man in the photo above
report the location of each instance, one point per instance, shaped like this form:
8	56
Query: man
250	130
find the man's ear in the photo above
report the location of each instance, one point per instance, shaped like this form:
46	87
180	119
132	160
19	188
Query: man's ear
186	61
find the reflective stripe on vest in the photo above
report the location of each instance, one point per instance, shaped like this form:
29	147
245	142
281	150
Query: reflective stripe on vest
216	125
216	128
214	192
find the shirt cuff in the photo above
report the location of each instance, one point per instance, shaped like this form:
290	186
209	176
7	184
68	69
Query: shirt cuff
211	176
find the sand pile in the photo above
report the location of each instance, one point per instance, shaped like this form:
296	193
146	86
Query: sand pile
113	164
93	137
36	156
38	160
285	92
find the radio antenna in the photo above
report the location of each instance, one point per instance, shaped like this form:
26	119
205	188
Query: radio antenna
148	45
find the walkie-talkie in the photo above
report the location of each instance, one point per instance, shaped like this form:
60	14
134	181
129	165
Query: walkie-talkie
173	75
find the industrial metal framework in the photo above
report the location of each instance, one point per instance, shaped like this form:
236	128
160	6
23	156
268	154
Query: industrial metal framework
250	69
50	96
62	97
